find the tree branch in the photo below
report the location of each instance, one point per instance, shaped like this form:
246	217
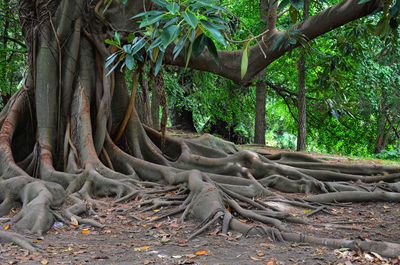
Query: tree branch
230	61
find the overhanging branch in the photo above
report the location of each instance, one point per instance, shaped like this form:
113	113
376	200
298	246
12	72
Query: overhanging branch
230	61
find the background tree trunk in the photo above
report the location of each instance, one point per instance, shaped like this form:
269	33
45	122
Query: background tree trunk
259	129
259	126
155	103
302	120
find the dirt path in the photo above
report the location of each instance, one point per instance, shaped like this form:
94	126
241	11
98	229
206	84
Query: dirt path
126	240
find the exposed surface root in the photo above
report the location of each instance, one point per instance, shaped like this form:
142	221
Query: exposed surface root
9	237
70	136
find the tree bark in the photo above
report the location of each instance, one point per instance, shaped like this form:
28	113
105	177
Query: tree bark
155	103
259	125
259	129
302	120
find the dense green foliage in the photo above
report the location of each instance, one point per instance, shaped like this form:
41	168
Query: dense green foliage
12	50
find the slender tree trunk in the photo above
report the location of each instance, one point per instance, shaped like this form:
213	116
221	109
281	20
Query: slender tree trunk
302	121
259	129
155	104
3	76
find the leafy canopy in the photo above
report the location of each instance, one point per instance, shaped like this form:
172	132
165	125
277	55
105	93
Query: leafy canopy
189	25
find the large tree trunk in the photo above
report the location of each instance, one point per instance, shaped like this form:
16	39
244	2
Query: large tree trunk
72	135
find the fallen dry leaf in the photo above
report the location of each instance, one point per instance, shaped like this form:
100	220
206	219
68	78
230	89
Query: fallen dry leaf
85	231
7	226
256	259
144	247
268	245
260	254
202	252
191	256
44	261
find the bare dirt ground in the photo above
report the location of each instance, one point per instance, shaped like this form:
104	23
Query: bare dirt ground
132	237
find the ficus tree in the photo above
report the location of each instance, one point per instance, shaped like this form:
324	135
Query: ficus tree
71	132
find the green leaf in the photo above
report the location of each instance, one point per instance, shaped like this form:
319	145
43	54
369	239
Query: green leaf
117	38
155	43
112	69
169	34
151	20
124	2
131	37
214	31
111	42
127	48
178	47
212	49
158	63
292	41
190	18
189	54
283	4
204	3
173	7
129	61
138	46
298	4
198	45
161	3
170	22
110	59
245	60
148	13
363	1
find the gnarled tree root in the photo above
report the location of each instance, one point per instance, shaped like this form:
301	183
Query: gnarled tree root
58	156
10	237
